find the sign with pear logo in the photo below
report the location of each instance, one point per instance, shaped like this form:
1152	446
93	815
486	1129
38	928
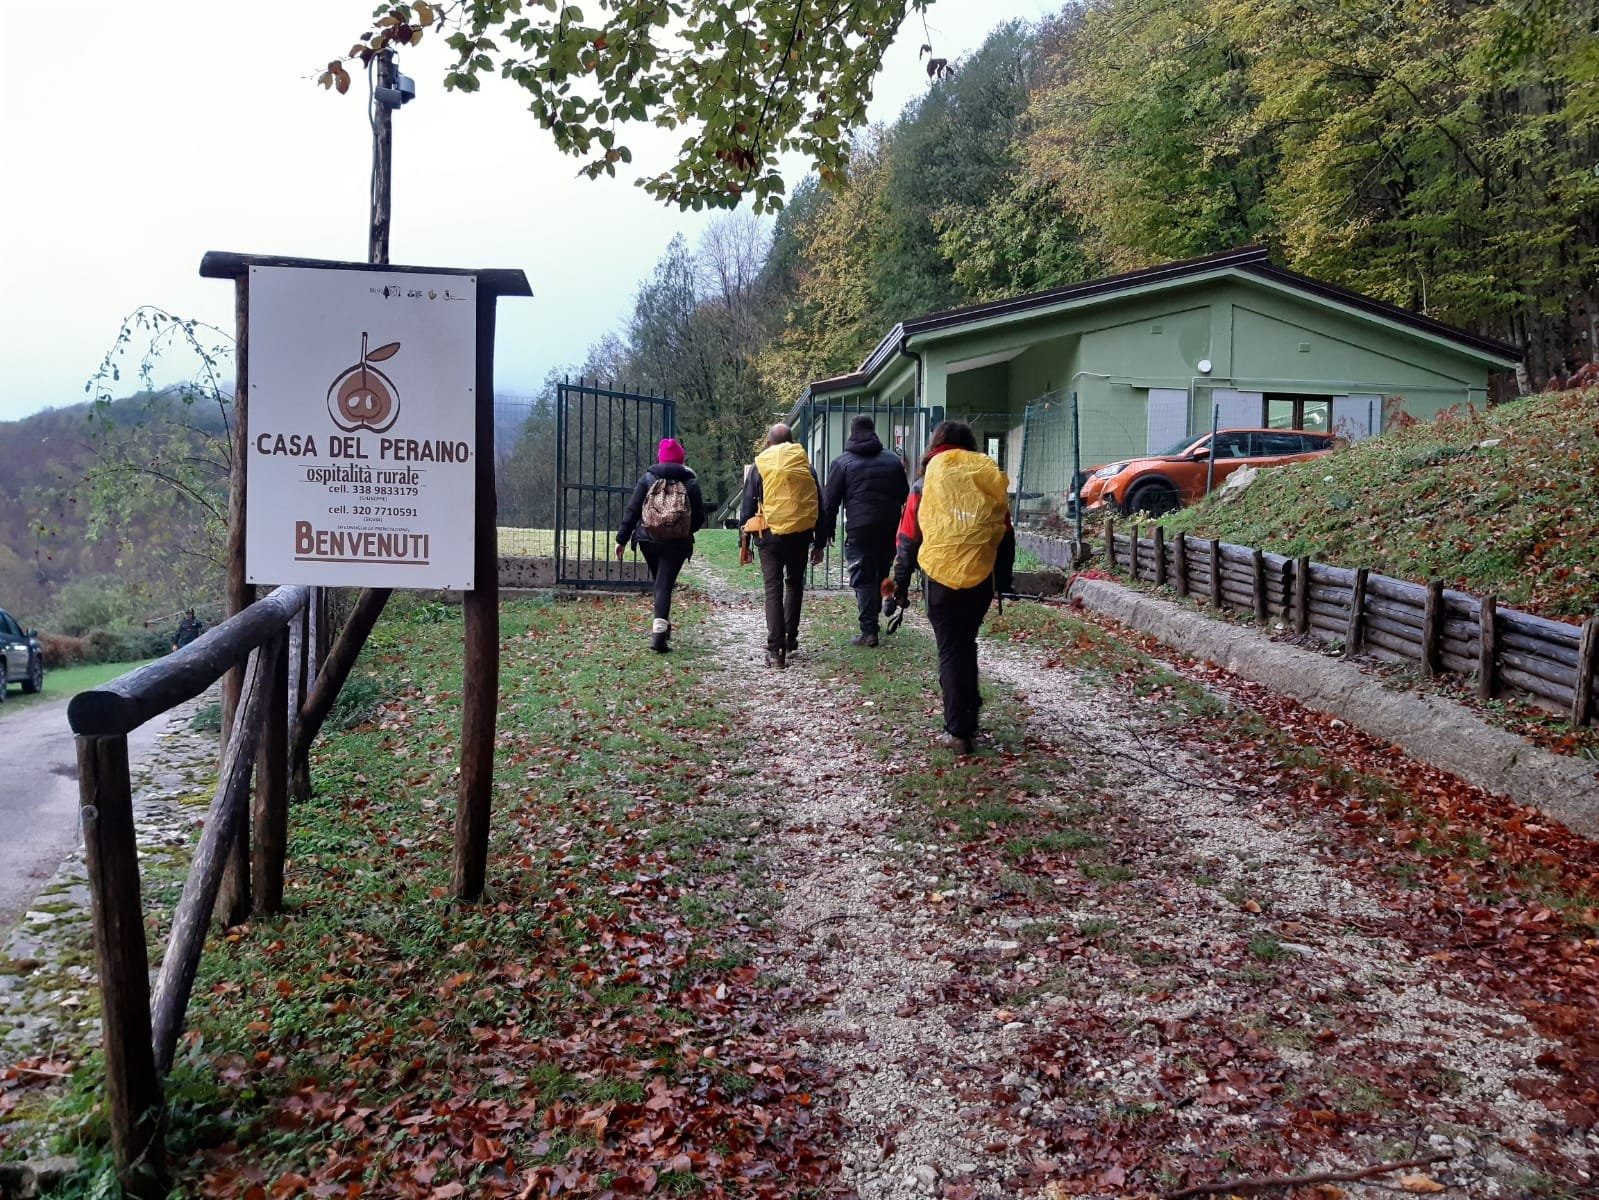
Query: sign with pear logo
361	421
363	397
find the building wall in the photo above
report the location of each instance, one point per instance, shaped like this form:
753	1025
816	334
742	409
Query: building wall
1258	339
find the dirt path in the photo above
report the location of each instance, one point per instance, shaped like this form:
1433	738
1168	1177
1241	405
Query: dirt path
836	863
1140	972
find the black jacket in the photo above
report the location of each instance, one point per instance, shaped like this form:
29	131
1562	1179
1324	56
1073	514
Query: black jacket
869	483
755	492
632	530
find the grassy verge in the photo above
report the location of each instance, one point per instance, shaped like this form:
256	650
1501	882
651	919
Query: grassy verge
718	548
66	682
593	1024
1500	501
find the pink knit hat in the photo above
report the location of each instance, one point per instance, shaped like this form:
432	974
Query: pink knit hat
671	451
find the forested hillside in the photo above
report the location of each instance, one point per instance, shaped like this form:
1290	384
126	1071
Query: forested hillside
124	498
1441	157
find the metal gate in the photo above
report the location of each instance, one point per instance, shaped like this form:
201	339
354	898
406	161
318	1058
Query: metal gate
821	424
605	438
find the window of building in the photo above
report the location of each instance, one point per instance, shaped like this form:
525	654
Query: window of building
1284	411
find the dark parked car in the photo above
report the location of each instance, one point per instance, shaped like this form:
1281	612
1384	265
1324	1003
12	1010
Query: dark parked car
21	657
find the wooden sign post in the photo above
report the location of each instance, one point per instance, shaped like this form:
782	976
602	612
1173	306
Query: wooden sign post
355	457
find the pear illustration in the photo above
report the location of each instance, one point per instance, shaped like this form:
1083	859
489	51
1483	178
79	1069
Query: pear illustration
362	397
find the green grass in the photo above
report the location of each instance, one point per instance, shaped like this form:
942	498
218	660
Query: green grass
719	549
1514	518
516	542
622	896
66	682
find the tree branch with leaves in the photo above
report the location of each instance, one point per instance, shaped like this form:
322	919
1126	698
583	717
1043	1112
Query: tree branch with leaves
747	82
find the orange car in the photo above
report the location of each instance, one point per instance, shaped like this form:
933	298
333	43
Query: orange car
1161	482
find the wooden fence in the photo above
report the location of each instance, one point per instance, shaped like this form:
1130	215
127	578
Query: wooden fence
1434	627
284	698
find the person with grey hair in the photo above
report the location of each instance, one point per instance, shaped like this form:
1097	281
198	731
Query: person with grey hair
782	502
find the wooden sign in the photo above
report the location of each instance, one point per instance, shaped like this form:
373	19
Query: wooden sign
361	444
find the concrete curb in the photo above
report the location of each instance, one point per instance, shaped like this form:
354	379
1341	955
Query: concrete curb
1430	728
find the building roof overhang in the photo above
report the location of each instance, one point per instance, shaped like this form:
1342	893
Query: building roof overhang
1248	262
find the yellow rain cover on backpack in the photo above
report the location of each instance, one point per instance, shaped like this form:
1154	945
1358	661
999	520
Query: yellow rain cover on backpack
962	515
788	492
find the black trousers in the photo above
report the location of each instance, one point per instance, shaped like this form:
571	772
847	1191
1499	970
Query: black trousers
783	562
956	614
869	554
665	563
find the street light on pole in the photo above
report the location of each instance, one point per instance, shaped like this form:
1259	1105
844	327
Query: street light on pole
393	90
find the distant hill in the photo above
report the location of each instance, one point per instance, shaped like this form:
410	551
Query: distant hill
1502	501
44	533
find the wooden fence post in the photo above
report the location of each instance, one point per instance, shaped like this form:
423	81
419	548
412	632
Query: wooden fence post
233	901
133	1089
1487	621
1587	653
1160	555
1110	545
1432	625
1132	550
480	685
270	845
299	662
1215	572
1355	634
1302	595
230	807
324	690
1179	554
1257	583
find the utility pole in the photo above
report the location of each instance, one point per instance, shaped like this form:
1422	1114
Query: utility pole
382	157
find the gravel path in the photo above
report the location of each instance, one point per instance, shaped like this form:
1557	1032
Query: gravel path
945	1095
1416	1012
837	863
48	1006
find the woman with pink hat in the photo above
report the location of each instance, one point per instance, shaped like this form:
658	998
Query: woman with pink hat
663	514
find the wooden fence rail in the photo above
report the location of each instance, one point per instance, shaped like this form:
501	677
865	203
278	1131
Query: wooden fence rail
140	1038
1437	628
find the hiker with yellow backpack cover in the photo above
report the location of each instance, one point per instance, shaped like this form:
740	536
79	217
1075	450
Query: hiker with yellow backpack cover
957	529
782	502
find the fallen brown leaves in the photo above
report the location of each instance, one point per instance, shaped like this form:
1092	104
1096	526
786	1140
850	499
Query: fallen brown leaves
592	1030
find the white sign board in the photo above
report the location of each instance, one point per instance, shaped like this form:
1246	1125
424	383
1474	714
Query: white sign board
360	440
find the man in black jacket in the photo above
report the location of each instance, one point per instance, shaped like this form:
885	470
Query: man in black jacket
871	486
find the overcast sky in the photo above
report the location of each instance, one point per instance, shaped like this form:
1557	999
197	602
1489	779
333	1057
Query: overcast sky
135	137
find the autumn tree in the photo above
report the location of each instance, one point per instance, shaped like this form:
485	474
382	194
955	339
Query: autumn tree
746	82
156	481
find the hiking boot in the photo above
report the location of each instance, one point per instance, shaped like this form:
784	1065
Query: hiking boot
660	632
863	639
777	658
960	745
793	646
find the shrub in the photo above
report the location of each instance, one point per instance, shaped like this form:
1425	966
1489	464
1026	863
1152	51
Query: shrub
357	703
208	719
95	602
102	644
62	651
125	645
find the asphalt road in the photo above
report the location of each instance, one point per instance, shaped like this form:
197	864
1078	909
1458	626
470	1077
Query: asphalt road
39	798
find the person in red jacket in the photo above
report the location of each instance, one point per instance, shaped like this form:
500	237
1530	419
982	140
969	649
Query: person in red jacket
962	543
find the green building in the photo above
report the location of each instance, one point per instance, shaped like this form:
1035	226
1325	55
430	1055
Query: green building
1154	356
